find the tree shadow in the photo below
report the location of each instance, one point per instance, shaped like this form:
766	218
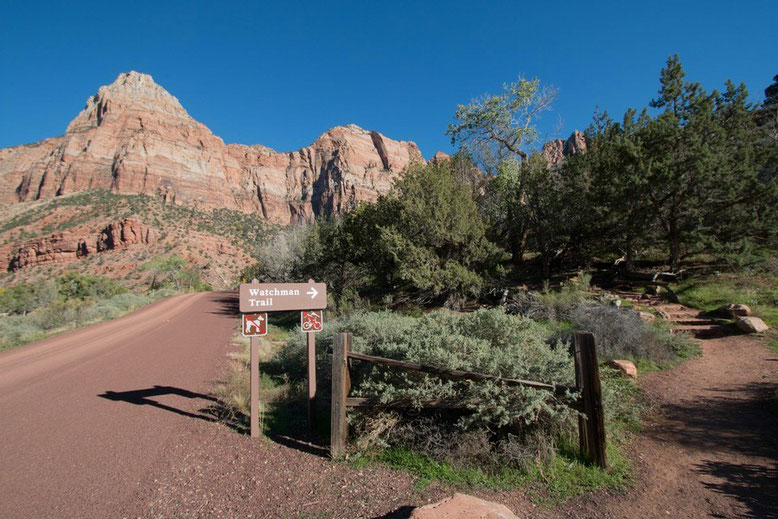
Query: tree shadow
755	486
229	303
731	422
144	397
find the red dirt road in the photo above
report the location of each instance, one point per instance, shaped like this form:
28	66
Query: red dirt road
85	416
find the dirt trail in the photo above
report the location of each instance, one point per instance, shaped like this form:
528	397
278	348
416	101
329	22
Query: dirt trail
712	448
82	418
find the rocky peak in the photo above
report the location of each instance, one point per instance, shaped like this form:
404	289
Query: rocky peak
439	157
134	137
555	151
130	92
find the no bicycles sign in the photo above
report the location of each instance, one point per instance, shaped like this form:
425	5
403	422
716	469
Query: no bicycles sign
312	320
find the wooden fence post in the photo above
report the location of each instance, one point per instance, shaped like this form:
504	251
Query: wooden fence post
340	386
591	429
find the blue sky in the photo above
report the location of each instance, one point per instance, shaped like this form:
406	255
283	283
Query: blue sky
280	74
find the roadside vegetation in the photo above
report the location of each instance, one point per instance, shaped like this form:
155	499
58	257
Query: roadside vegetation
504	437
33	311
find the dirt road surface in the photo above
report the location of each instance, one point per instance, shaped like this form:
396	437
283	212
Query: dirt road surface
82	415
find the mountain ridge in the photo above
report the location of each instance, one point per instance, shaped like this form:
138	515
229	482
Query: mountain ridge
134	137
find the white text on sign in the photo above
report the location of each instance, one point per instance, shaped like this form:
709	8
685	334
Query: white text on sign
279	297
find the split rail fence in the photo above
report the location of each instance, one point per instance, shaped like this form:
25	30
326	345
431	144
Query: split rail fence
587	392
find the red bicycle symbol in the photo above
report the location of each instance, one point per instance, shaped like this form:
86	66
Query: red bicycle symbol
311	321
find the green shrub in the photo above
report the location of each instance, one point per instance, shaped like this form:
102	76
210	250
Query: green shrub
486	341
18	299
621	333
74	285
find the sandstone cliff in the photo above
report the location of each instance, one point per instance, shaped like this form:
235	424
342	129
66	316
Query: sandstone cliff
555	151
63	247
134	137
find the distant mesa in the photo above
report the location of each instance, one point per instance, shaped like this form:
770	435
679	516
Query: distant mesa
134	137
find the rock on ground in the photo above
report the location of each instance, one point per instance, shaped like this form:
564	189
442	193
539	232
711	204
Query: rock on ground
751	324
735	310
462	506
625	367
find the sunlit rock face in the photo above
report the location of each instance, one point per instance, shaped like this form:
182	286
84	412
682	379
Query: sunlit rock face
134	137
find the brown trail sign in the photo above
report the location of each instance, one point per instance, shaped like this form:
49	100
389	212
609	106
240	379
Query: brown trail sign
278	297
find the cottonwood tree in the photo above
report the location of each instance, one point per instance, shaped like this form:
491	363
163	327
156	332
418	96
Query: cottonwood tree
498	131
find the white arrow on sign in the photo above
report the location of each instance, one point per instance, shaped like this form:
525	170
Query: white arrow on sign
312	292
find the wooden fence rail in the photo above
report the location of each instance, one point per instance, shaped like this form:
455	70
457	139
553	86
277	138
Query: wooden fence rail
588	401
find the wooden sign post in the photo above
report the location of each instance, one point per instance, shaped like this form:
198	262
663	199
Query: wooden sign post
311	299
311	321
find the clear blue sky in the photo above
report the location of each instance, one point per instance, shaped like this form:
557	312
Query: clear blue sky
281	74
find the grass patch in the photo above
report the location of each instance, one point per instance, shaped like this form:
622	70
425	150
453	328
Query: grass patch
567	476
564	477
428	470
759	291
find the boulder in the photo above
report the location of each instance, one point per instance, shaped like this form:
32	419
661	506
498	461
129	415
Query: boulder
462	506
735	310
649	318
751	324
625	367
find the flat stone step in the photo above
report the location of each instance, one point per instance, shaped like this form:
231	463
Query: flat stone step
695	322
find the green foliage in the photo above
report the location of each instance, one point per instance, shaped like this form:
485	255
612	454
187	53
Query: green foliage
497	127
697	173
424	242
73	285
175	272
18	299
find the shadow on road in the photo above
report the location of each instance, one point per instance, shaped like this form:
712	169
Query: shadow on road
734	420
144	397
228	303
753	485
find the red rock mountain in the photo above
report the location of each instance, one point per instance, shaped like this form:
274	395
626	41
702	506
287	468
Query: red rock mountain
555	151
134	137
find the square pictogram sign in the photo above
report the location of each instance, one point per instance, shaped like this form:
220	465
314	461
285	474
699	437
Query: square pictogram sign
312	320
254	325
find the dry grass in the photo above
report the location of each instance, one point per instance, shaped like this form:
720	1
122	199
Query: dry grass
234	387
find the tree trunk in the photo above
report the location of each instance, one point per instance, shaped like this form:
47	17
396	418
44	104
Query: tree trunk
629	256
518	241
675	245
